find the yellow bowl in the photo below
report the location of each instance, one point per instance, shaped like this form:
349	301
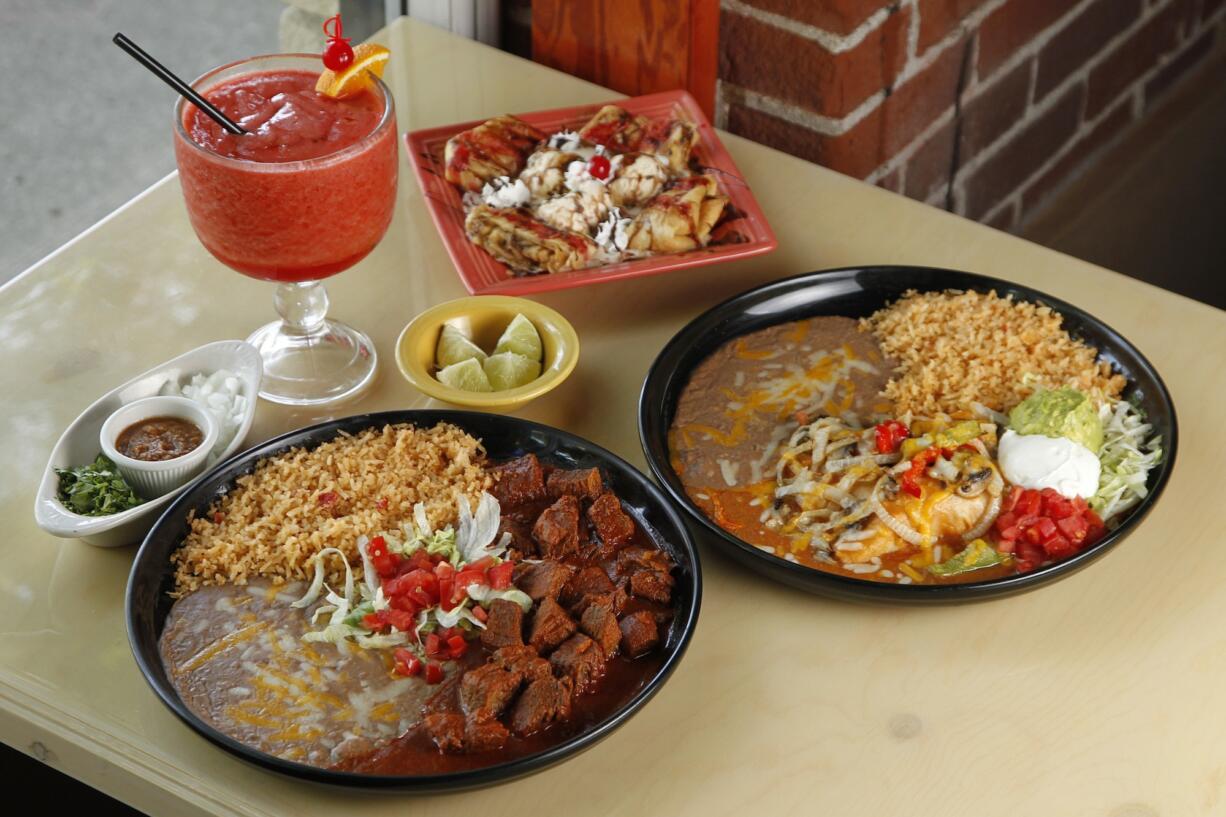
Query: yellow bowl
483	318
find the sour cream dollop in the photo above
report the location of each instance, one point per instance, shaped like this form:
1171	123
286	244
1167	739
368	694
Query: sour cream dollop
1037	461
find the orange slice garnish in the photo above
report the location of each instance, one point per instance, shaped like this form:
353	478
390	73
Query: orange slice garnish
367	57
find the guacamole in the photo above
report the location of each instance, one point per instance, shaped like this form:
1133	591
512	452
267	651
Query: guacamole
1060	413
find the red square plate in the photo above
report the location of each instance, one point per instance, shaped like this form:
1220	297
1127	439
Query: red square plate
742	234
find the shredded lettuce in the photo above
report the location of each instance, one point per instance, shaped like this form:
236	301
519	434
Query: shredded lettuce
452	617
475	538
482	594
1127	455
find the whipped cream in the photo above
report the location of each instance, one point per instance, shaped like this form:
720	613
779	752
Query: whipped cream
502	192
565	140
612	234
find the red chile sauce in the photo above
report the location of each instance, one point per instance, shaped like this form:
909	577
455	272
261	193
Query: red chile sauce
157	439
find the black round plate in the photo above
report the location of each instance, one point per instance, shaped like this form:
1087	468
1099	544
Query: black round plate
858	292
504	437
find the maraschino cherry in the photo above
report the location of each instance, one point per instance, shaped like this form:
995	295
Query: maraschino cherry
599	165
338	54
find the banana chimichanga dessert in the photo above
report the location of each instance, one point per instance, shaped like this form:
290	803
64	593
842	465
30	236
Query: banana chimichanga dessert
679	219
621	187
525	244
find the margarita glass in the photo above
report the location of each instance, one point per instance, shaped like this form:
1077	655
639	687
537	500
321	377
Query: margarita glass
307	193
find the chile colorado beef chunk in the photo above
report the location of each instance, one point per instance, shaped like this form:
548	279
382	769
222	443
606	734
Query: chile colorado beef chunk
649	584
580	659
543	702
600	622
612	524
518	481
543	580
484	736
639	633
522	661
585	484
486	691
446	729
588	584
649	572
557	528
550	626
505	626
522	546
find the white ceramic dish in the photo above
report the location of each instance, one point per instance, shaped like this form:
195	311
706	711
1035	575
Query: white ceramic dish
151	479
79	442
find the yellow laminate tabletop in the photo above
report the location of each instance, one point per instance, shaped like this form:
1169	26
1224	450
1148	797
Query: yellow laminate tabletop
1098	695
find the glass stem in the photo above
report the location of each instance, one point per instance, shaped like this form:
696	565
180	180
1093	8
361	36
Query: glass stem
302	307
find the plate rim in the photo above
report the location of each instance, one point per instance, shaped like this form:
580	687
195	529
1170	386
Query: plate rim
440	782
851	588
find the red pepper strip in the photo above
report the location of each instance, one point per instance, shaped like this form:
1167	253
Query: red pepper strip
910	480
890	435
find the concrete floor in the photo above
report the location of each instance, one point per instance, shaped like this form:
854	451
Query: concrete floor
100	131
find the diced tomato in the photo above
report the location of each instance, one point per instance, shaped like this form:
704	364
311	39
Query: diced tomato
446	593
1039	525
1028	557
1029	504
402	620
386	563
406	663
434	648
500	575
372	622
457	645
382	503
1094	527
480	614
469	576
1074	528
434	673
481	564
327	498
420	585
1058	547
404	603
444	569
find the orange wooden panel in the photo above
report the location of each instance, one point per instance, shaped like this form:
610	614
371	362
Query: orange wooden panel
632	46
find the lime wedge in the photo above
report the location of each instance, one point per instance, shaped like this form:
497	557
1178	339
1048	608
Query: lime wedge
466	375
520	337
454	347
507	370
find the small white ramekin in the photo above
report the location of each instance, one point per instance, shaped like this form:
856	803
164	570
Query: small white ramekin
152	479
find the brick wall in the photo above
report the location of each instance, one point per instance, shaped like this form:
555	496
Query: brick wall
983	107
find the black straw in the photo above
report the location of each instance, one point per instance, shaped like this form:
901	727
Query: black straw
179	85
